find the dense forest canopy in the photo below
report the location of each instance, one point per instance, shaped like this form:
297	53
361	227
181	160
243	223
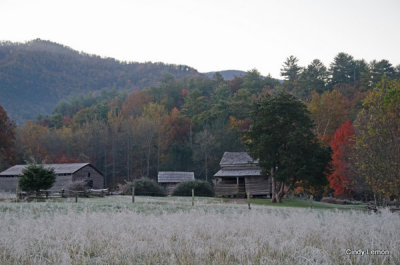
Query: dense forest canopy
186	122
38	74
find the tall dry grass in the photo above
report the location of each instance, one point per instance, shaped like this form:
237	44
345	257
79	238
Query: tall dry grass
101	232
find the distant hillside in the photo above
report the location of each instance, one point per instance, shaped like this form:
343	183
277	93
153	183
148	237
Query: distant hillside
36	75
226	74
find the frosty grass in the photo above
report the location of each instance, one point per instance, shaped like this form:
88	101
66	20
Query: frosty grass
112	230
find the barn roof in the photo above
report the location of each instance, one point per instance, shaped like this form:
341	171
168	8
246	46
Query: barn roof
174	176
237	159
68	168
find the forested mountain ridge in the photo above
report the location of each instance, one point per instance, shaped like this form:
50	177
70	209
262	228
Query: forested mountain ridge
226	74
36	75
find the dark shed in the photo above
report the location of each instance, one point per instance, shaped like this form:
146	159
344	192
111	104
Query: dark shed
170	179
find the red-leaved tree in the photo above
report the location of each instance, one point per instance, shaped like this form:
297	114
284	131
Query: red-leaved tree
340	179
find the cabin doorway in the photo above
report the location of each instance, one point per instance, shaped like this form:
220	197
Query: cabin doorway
241	187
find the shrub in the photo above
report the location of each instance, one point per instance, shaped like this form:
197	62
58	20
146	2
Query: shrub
79	185
36	177
147	187
201	188
126	188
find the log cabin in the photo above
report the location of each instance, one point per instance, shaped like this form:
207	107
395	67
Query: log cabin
66	174
169	179
239	175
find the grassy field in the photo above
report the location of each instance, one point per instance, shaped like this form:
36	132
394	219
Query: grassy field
112	230
306	204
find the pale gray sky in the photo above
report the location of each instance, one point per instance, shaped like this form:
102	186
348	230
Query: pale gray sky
211	35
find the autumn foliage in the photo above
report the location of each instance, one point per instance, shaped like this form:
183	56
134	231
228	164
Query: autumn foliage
341	178
187	124
7	139
328	110
377	145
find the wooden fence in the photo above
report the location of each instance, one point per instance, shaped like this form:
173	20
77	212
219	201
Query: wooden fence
45	194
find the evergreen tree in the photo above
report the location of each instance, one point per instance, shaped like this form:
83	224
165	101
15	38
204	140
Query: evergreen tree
344	69
36	177
313	78
281	137
290	70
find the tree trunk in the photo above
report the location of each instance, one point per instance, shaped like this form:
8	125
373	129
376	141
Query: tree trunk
280	192
128	150
113	152
273	186
277	189
191	137
206	165
158	150
148	161
105	166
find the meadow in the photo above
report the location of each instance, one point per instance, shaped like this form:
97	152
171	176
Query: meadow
112	230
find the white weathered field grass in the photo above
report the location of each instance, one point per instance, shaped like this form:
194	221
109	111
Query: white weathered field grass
169	231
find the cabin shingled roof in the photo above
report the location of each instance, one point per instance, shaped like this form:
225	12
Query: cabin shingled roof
238	164
174	176
67	168
238	172
237	159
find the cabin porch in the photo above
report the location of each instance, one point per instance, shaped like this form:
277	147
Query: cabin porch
240	186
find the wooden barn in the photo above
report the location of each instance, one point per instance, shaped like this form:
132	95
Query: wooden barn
240	174
169	179
66	174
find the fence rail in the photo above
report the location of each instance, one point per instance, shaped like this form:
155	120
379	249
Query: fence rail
63	193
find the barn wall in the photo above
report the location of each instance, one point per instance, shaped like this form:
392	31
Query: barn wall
8	183
82	174
62	182
258	185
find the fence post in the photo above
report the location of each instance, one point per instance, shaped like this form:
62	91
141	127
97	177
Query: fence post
311	201
76	197
248	200
17	194
133	193
192	197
